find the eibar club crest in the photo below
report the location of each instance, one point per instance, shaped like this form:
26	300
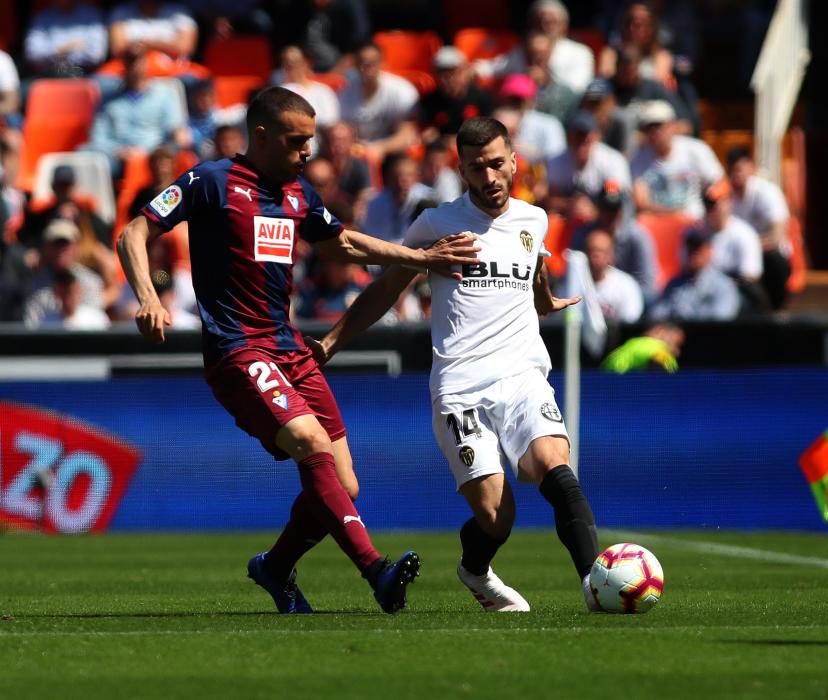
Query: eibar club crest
526	240
467	455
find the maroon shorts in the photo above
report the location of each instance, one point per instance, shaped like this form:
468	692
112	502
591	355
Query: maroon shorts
258	388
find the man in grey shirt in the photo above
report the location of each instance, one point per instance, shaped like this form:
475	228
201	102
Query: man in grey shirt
699	291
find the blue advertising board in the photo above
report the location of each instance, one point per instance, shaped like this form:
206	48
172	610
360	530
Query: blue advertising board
697	449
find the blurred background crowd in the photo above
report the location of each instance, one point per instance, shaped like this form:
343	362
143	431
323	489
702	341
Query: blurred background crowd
632	123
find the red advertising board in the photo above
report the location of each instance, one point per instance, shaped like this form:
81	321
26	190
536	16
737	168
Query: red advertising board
59	474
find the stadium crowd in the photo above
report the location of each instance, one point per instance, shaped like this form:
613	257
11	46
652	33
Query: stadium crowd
605	125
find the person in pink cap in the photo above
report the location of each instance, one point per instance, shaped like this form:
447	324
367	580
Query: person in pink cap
538	137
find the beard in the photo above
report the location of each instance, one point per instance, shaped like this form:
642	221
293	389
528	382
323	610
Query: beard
490	200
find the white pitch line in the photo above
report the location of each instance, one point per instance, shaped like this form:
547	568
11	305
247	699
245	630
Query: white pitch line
725	550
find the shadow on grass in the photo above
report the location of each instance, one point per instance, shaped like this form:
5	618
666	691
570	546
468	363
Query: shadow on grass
210	614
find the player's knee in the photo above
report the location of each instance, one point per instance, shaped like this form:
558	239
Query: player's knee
311	442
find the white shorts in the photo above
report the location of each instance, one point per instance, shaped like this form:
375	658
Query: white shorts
481	431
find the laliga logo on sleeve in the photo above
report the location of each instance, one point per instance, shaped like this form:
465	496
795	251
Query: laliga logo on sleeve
168	200
273	239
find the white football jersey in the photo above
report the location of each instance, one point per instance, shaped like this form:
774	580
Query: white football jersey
485	327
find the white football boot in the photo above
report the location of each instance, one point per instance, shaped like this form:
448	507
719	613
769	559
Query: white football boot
589	597
491	592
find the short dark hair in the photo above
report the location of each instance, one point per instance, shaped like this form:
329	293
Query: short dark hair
268	104
478	131
737	153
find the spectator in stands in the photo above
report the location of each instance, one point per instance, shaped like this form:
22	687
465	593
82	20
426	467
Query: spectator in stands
9	91
656	349
145	25
572	63
330	30
456	98
162	171
436	173
320	173
60	252
67	39
557	99
295	74
353	173
69	311
631	89
539	137
670	171
582	169
700	291
389	213
639	28
180	318
599	99
64	203
760	203
12	200
221	18
617	292
380	105
15	270
331	287
633	250
202	118
737	250
228	141
144	115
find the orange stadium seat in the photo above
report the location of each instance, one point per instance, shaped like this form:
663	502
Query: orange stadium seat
556	242
159	65
59	116
239	55
480	42
491	14
235	89
667	232
408	51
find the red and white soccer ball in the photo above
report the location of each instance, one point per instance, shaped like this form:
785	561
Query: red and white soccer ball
626	578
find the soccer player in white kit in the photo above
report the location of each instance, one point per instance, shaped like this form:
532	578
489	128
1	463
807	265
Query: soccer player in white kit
491	402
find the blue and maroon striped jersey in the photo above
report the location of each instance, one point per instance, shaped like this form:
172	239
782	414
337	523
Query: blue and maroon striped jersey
243	231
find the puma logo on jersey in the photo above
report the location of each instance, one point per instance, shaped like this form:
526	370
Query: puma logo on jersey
352	519
247	193
193	178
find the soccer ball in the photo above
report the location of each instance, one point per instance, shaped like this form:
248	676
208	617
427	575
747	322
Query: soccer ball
626	578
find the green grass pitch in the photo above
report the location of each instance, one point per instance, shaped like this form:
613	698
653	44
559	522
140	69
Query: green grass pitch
174	616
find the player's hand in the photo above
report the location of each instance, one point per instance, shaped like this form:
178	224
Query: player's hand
318	349
551	304
455	249
151	319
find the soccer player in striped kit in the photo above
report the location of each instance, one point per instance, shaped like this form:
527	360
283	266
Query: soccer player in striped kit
246	215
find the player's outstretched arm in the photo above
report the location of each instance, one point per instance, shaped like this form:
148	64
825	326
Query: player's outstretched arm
132	251
353	246
544	301
366	310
